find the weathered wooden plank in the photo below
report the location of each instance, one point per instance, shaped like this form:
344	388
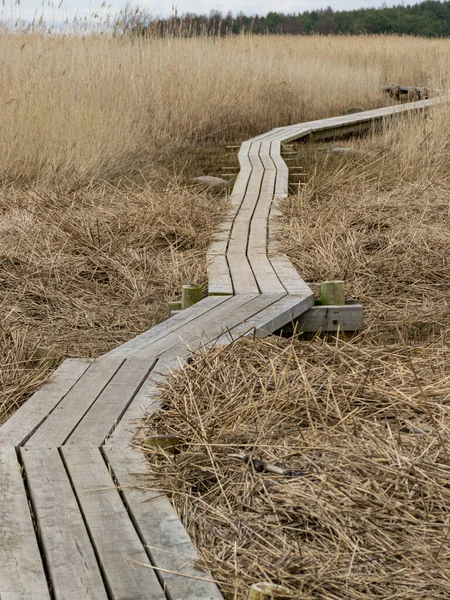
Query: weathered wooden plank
109	407
145	402
265	275
63	420
70	558
282	180
288	276
161	530
244	281
194	334
330	318
24	422
116	541
22	574
160	331
219	278
269	319
265	156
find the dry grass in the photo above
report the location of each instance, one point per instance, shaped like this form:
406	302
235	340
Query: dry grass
80	108
82	273
98	134
365	430
97	234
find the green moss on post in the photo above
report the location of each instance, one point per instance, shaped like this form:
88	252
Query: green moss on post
190	295
269	591
332	293
173	306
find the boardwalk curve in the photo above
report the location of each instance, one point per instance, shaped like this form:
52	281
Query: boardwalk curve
73	522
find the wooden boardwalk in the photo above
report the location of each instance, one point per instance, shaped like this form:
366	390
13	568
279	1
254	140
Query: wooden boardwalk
73	523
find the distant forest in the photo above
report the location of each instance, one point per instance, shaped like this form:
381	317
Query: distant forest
430	18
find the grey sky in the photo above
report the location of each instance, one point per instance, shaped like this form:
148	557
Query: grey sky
27	8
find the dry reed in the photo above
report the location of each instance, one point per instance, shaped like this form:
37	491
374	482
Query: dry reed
364	431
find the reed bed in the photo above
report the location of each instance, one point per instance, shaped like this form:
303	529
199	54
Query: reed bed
99	137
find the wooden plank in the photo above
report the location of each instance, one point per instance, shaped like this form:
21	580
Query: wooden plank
161	330
219	278
161	530
288	276
116	541
109	407
194	334
270	319
244	281
69	412
24	422
265	156
282	180
22	573
265	275
145	402
330	318
70	558
235	318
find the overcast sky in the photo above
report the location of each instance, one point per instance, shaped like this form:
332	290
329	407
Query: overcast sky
27	8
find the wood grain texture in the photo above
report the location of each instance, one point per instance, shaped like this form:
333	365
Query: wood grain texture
198	333
24	422
22	574
154	334
69	412
331	318
145	402
160	528
116	541
109	407
270	318
69	555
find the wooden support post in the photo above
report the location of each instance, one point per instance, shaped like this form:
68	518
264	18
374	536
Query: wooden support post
190	295
269	591
332	293
173	306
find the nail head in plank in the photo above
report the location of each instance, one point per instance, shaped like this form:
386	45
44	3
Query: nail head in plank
24	422
22	573
331	318
69	555
112	403
69	412
112	532
161	529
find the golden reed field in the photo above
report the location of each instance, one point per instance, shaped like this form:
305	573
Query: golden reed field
100	227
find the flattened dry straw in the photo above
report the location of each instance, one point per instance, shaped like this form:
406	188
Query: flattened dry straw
367	514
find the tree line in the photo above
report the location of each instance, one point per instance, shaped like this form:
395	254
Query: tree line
430	18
